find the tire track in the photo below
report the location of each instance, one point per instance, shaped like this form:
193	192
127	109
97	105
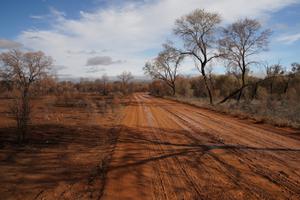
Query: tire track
283	182
173	151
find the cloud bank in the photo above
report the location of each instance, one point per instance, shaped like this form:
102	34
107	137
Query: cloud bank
101	60
9	44
132	32
289	39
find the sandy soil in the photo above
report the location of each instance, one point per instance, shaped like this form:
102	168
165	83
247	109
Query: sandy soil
65	156
152	149
168	150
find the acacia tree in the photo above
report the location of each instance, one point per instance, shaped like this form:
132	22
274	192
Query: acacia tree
23	70
125	77
198	31
165	66
239	43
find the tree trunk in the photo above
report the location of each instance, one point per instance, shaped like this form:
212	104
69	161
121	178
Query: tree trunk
286	86
173	88
173	91
254	92
206	85
242	88
24	118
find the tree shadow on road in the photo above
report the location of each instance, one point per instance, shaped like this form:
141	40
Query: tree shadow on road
56	162
68	161
170	149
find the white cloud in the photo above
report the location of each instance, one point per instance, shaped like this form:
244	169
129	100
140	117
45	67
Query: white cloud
54	14
95	69
38	17
129	31
102	60
289	39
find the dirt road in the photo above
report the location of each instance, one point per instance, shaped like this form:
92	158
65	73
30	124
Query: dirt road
168	150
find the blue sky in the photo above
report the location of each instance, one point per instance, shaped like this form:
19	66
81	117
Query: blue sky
92	37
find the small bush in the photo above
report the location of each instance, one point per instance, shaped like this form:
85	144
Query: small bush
72	99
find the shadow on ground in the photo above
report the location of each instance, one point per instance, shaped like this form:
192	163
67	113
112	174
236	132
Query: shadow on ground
72	162
55	161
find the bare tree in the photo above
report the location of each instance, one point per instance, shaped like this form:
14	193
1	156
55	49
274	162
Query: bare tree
273	72
125	77
198	30
295	71
240	42
295	68
23	70
165	66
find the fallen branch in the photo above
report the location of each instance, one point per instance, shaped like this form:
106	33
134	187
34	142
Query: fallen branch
231	95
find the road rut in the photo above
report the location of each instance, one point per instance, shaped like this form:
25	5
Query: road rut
168	150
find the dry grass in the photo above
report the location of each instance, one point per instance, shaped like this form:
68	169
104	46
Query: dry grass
278	113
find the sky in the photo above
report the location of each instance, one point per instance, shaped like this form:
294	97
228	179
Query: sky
89	38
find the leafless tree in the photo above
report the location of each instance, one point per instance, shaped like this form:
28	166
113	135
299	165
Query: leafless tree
125	77
165	66
273	72
198	31
23	70
239	43
295	71
295	68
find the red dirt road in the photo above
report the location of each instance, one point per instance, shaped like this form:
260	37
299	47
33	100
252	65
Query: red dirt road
168	150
